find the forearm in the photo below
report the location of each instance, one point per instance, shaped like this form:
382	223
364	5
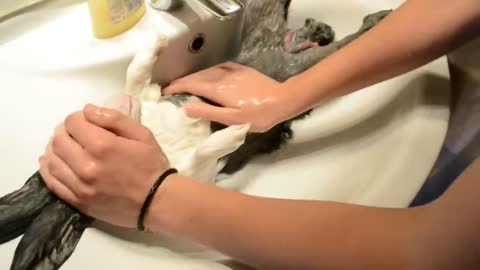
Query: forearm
451	237
285	234
413	35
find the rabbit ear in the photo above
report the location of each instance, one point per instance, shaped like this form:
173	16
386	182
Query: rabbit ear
222	142
126	104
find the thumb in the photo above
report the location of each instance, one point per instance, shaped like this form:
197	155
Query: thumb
202	110
116	122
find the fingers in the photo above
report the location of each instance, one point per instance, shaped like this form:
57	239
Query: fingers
194	86
116	122
69	150
56	186
227	116
84	133
204	83
58	169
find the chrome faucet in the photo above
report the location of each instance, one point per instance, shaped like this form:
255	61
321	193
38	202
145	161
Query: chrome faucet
222	9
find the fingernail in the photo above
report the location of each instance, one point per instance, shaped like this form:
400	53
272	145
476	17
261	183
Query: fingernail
100	111
90	108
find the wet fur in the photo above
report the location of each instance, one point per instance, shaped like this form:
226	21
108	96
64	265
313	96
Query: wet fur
52	229
61	228
263	50
18	209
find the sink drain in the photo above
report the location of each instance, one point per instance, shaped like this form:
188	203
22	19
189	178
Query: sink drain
197	43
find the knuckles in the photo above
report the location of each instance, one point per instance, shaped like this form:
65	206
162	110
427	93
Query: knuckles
90	172
101	146
146	134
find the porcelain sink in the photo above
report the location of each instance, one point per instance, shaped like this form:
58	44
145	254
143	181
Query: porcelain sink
196	37
374	147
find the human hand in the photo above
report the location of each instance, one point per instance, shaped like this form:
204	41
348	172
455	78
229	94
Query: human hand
246	96
104	164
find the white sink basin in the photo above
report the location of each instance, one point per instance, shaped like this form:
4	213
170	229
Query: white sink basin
374	147
65	46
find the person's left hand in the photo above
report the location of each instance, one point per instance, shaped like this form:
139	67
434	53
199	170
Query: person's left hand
104	164
244	95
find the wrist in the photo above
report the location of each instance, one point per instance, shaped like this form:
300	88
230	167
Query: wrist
302	97
156	217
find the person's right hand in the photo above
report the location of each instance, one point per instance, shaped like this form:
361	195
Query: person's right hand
103	163
246	96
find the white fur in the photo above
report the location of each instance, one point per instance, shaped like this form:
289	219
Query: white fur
188	143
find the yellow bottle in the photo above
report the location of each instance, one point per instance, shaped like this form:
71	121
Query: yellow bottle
112	17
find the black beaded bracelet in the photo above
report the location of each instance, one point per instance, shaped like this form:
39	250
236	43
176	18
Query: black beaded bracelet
149	198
